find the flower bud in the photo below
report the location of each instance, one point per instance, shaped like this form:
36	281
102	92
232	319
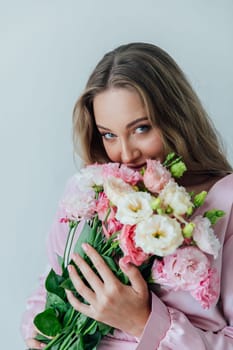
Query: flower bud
155	203
160	211
189	211
188	230
178	169
168	210
199	199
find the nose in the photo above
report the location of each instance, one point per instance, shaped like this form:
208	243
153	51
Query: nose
129	152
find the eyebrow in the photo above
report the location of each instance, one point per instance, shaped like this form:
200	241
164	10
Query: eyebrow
134	122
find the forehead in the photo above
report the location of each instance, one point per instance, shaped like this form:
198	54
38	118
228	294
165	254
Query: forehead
118	106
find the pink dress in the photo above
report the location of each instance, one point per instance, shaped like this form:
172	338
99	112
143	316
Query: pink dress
177	320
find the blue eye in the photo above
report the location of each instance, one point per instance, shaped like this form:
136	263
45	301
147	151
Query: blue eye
142	129
107	135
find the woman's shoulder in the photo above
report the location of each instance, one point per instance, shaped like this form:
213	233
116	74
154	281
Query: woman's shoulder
221	194
225	184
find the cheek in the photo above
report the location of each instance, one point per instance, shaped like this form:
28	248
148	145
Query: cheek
154	148
112	152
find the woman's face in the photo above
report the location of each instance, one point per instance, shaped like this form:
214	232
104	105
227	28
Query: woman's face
127	133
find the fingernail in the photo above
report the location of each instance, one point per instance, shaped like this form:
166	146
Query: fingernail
124	264
73	256
42	345
70	268
85	247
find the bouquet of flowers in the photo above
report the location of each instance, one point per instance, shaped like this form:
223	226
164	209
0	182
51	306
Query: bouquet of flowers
143	217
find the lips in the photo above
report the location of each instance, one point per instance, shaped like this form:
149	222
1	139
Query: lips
136	167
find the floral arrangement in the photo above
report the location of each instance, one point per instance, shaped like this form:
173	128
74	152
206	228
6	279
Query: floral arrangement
143	217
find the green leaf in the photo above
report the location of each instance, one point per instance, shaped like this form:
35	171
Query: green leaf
47	323
122	277
60	260
85	236
82	322
98	239
67	284
78	345
214	215
52	284
169	158
111	263
93	328
104	328
55	302
68	316
91	341
41	338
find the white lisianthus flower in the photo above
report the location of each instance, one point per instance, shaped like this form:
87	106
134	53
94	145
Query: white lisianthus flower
176	197
204	236
159	235
134	207
115	188
90	176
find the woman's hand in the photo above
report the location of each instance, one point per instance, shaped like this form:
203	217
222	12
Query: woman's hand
111	302
34	344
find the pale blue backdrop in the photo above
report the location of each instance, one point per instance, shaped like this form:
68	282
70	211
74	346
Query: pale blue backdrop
47	50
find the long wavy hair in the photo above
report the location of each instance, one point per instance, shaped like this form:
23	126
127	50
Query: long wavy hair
171	104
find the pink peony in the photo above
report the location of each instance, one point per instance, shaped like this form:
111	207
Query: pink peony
182	270
156	176
127	244
208	290
204	236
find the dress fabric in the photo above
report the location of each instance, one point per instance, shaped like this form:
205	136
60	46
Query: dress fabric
177	321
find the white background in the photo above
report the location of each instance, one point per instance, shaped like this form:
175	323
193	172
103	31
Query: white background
47	51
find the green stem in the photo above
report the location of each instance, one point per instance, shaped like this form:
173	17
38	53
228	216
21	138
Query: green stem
113	245
51	343
66	341
71	316
90	327
69	241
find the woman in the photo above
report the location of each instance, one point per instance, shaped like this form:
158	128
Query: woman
138	105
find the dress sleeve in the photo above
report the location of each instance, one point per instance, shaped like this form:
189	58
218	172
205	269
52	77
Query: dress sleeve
169	328
55	246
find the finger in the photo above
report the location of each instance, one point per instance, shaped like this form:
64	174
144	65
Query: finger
78	305
80	286
34	344
137	281
100	265
94	281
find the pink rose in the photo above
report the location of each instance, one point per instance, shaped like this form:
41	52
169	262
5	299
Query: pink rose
156	176
127	244
182	270
204	236
207	292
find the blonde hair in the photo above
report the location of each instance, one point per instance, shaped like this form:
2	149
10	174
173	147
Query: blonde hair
169	99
